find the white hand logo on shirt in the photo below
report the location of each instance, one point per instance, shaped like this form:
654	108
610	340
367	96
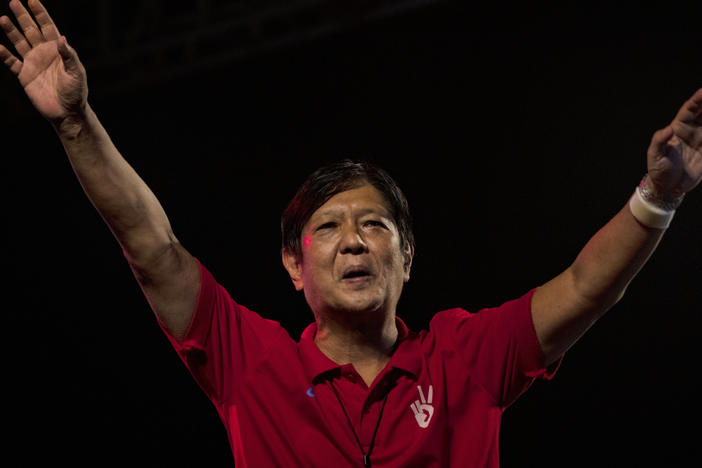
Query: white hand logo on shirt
422	409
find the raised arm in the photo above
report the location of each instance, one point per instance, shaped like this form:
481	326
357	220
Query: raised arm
565	307
55	81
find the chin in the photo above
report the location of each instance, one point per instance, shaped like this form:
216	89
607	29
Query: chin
362	306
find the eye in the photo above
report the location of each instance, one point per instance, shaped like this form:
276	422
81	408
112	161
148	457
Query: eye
327	225
375	223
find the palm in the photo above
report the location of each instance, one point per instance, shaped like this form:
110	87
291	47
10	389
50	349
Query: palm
48	70
44	80
691	165
675	163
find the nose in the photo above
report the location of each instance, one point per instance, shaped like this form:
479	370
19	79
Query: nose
352	242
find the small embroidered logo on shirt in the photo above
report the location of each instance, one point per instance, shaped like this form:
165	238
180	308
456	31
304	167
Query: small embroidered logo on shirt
422	408
310	393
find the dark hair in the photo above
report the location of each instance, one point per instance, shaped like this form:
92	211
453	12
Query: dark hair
335	178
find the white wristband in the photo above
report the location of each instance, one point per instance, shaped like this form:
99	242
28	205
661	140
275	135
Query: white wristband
649	214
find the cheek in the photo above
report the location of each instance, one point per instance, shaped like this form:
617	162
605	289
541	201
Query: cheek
306	241
393	260
317	261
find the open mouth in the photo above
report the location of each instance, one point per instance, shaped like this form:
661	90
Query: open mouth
356	273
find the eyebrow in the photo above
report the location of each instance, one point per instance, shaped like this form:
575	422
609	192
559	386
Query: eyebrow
362	212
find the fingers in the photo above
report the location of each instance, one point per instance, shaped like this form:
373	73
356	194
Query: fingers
697	97
32	33
687	124
421	395
10	60
48	28
18	40
691	111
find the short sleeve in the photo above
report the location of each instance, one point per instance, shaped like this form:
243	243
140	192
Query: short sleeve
499	347
224	340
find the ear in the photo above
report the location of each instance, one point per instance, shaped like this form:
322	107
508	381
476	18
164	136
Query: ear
409	255
293	264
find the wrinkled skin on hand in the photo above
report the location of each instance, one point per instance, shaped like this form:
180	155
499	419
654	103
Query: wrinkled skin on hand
675	154
46	66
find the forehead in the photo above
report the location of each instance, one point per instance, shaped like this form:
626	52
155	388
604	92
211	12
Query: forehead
365	198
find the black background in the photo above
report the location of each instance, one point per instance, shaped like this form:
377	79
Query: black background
515	132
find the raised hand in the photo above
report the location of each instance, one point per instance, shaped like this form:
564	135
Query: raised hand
675	153
47	68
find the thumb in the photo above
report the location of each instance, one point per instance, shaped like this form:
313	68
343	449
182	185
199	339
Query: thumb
72	85
659	141
68	55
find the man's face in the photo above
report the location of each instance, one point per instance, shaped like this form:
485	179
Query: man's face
351	256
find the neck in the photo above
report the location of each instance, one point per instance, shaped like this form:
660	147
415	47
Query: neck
368	345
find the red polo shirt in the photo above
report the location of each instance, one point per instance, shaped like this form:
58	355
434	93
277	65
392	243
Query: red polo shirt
446	388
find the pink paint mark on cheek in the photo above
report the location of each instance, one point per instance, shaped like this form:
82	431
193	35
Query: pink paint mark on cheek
306	241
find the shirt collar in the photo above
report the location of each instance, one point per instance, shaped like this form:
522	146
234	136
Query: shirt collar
407	355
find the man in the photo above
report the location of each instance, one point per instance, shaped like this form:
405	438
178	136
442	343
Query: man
359	388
